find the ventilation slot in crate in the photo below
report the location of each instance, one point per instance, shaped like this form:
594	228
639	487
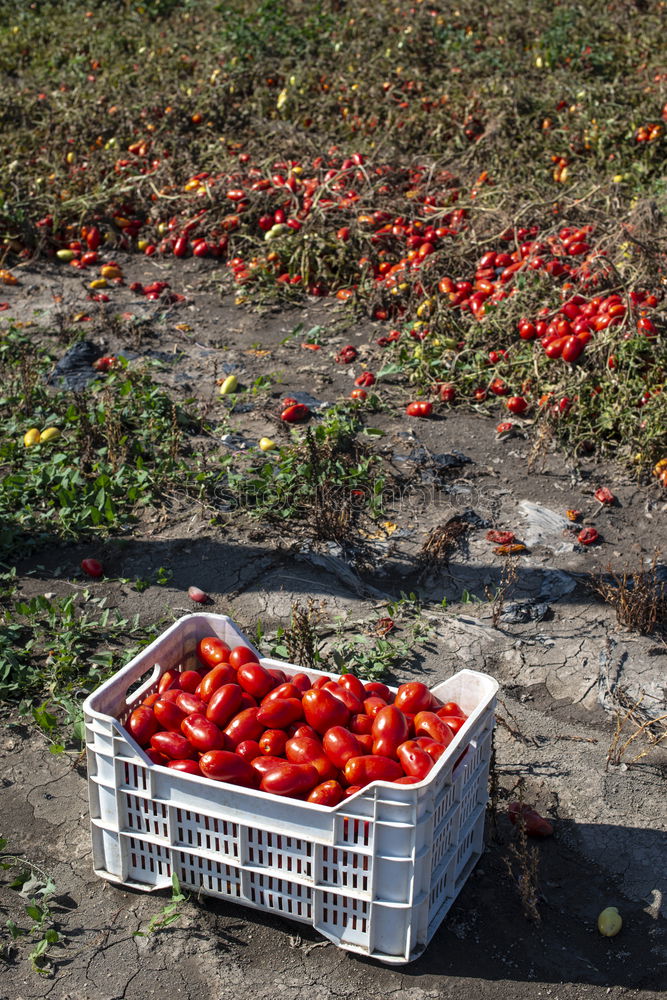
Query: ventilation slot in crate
465	848
346	869
135	776
148	862
444	804
345	917
146	816
197	830
443	842
290	898
439	892
211	876
276	850
355	832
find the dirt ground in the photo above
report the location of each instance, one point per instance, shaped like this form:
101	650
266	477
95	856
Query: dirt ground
561	678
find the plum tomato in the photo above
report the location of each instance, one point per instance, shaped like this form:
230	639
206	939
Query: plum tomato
414	760
254	678
340	744
363	770
328	793
292	780
429	724
212	651
413	697
142	724
214	679
203	734
224	765
224	703
240	655
323	710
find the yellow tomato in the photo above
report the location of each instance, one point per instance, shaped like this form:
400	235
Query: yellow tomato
49	434
230	384
266	444
31	437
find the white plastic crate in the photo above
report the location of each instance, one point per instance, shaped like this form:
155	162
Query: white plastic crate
375	874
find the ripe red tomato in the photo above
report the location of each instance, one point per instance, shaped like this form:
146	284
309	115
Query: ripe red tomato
353	684
413	697
455	722
272	743
248	749
452	708
323	710
517	404
293	780
421	408
169	715
169	679
587	536
390	729
363	770
534	824
93	567
224	765
284	690
340	744
498	387
186	766
175	746
360	724
604	495
244	726
190	680
414	760
376	689
328	793
429	724
93	237
554	348
280	713
241	655
294	413
212	651
142	724
306	750
373	705
434	749
572	348
254	678
350	700
263	765
302	682
214	679
224	704
202	733
190	703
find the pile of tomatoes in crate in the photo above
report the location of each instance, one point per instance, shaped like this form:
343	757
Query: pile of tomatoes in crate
238	721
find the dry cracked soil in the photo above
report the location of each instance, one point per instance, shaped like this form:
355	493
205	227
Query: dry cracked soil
564	679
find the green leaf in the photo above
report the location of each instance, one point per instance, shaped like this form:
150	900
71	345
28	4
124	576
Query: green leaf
44	719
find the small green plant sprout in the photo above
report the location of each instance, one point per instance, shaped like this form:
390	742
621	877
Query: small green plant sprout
170	912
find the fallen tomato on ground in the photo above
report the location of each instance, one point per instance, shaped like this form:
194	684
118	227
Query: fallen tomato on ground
93	567
534	824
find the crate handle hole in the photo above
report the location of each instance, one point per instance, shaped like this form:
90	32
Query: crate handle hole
143	683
